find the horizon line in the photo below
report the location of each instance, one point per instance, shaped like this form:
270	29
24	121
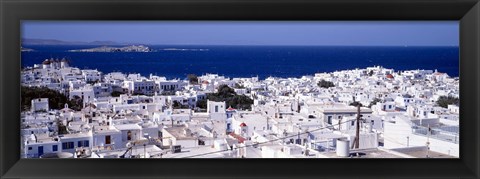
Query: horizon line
166	44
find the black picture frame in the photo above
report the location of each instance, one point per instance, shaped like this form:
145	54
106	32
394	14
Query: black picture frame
12	12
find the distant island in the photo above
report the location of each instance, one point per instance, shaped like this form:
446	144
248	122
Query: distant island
26	41
131	48
23	49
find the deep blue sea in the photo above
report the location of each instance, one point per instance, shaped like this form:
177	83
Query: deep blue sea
248	61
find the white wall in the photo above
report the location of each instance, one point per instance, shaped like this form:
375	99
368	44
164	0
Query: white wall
40	104
212	105
47	148
395	136
115	138
75	142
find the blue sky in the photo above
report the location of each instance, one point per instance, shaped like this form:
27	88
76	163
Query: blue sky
362	33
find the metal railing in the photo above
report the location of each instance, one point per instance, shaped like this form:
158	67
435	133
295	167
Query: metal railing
436	133
35	155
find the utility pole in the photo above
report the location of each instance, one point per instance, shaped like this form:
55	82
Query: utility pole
356	142
408	141
144	150
267	123
428	140
298	137
339	125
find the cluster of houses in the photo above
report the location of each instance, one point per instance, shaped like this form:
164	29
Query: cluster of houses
132	116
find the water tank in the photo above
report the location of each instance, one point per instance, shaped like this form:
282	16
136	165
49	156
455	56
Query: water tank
343	149
57	155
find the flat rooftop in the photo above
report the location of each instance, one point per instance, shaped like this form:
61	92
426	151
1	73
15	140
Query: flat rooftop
128	127
104	129
206	151
365	153
421	152
179	132
76	135
431	154
137	150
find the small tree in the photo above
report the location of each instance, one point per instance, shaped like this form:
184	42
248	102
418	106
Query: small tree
92	82
202	104
137	93
370	73
325	84
225	91
231	98
116	94
374	102
56	100
76	103
192	79
176	105
444	101
239	86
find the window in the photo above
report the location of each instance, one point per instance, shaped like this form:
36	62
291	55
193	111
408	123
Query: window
55	148
129	135
29	148
353	123
329	119
107	139
83	143
216	108
68	145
